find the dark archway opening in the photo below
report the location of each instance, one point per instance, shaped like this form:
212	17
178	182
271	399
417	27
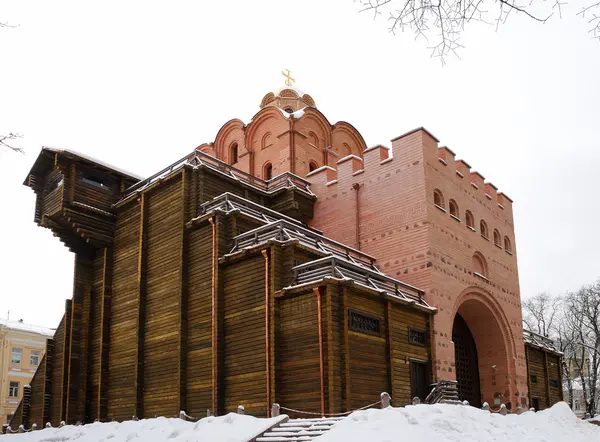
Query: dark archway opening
466	362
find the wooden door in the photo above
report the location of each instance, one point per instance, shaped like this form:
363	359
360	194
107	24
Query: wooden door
418	380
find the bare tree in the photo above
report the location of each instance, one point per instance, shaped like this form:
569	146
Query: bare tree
443	21
540	312
6	142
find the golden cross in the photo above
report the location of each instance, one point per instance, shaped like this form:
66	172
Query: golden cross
288	78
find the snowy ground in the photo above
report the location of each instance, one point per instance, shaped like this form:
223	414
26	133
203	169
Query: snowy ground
461	423
421	422
230	428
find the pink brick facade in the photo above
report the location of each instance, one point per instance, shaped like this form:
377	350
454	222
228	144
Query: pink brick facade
381	201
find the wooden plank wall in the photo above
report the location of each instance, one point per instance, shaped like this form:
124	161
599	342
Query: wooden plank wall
402	318
333	329
556	394
36	412
87	193
367	354
162	307
243	338
59	367
52	194
124	316
535	367
199	342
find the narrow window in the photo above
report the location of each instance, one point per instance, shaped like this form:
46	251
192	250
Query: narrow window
364	323
416	337
34	357
533	379
438	198
497	238
268	171
233	153
453	208
507	244
313	139
94	181
16	355
479	265
13	389
312	166
483	228
469	219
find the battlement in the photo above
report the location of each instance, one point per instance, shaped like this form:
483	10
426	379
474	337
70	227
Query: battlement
408	150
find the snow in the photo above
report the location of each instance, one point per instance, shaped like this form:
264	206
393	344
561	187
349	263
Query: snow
442	422
18	325
229	428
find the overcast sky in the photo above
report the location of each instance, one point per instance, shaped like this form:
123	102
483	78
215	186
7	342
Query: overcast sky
140	84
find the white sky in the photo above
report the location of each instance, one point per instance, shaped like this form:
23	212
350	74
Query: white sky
140	84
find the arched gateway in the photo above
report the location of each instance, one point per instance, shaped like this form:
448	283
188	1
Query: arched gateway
467	365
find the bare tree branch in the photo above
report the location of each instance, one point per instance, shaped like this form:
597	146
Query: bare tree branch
6	142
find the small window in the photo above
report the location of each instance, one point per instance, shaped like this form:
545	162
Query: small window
507	244
94	181
533	379
453	208
416	337
576	405
13	389
233	153
34	357
483	228
554	383
469	219
364	323
479	265
268	171
438	198
312	166
17	354
497	238
289	110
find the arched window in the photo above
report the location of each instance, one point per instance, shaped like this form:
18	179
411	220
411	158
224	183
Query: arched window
312	166
266	140
438	198
289	110
479	265
268	171
469	219
453	208
497	238
507	244
233	153
313	139
483	228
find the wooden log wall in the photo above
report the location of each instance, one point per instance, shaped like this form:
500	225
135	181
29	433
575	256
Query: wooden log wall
124	315
101	197
52	196
554	378
538	381
243	337
59	367
36	412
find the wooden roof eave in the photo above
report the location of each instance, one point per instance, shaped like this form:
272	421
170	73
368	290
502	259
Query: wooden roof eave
255	249
303	288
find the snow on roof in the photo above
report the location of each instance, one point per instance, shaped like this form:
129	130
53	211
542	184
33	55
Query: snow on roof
540	341
293	88
94	160
21	326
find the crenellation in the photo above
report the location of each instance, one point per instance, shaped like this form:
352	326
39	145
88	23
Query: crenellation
477	180
463	169
446	156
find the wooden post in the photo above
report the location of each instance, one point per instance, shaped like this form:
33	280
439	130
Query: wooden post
65	367
385	400
348	389
213	296
528	375
390	348
105	305
47	393
275	410
546	373
183	294
317	292
265	254
330	376
241	409
26	401
141	303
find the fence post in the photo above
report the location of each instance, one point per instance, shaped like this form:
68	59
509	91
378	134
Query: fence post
21	429
48	425
275	410
416	400
241	409
385	400
519	409
34	427
485	406
208	413
62	424
532	409
4	427
503	410
465	402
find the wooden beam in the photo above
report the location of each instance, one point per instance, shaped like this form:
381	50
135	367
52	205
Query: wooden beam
528	375
183	294
66	352
347	353
213	321
317	292
330	376
47	393
141	304
265	255
390	347
547	379
105	304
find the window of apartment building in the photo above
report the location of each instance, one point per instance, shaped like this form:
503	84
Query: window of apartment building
17	353
13	389
34	357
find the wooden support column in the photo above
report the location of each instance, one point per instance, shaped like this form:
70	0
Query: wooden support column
141	305
546	374
331	390
528	376
213	314
317	292
265	255
66	358
390	348
183	293
348	388
47	393
104	313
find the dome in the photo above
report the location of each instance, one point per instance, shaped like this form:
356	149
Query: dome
288	98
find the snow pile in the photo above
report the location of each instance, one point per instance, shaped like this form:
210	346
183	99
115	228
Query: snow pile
229	428
442	422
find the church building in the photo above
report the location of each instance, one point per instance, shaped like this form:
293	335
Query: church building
287	262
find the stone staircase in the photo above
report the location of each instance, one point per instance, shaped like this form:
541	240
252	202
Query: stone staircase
444	392
298	430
